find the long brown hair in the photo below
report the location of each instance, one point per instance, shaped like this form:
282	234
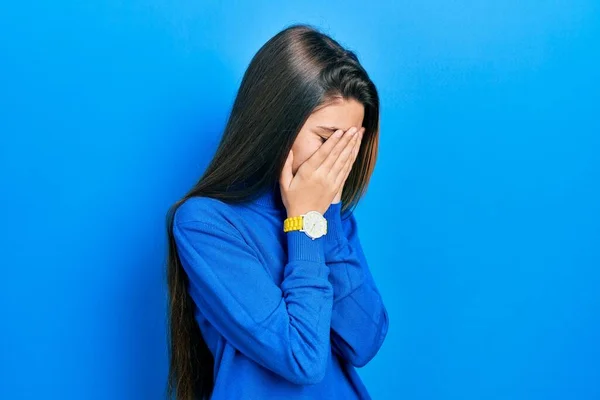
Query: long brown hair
291	75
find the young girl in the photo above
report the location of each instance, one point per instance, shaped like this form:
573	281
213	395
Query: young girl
271	296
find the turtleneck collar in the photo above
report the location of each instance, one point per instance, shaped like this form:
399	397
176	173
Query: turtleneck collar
271	199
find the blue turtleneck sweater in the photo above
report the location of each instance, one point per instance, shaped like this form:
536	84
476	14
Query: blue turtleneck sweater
285	316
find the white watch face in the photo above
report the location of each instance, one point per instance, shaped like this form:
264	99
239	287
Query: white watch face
314	224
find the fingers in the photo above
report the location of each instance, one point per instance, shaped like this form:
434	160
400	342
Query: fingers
357	146
351	160
334	155
348	166
339	166
318	157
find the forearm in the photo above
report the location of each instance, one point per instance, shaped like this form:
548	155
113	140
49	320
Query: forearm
359	319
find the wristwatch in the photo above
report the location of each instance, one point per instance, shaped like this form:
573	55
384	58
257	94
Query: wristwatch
313	223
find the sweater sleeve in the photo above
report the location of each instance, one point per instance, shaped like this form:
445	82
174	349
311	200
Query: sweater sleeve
283	328
359	321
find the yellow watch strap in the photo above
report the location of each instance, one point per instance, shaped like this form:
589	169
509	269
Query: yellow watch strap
293	223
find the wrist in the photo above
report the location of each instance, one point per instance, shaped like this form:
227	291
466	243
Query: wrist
295	213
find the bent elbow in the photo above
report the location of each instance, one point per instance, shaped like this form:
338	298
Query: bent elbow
362	358
309	370
313	377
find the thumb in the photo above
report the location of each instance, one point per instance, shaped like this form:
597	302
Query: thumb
286	174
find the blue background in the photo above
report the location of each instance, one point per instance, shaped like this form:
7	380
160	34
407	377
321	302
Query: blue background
482	224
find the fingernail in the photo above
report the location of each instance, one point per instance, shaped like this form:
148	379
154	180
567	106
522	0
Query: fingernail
338	133
353	131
